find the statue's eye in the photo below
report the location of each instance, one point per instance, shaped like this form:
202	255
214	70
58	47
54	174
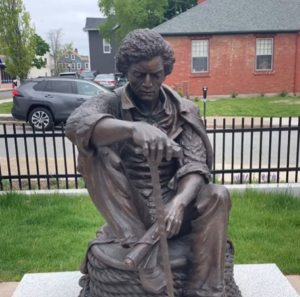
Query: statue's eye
138	74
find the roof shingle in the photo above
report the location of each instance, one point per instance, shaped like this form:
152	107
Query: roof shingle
93	23
235	16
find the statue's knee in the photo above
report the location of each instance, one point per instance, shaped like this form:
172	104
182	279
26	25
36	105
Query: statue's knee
221	194
213	196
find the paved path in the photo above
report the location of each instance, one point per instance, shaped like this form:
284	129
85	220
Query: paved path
5	100
5	94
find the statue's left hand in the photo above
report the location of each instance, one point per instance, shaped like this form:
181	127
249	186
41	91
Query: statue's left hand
174	213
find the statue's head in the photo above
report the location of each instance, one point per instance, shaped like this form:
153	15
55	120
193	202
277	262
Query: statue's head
146	59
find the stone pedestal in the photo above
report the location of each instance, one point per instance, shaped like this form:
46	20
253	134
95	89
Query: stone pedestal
262	280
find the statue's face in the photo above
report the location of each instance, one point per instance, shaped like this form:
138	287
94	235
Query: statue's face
146	78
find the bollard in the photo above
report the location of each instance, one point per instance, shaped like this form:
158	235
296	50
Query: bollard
204	89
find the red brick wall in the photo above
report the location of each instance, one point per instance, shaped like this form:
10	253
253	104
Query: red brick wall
232	66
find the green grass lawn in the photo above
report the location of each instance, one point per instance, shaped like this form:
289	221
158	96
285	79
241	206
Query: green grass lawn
5	107
250	107
50	233
253	107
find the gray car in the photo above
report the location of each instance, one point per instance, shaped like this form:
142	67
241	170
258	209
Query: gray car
108	81
46	101
88	75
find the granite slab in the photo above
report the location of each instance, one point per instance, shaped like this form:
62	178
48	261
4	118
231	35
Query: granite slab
261	280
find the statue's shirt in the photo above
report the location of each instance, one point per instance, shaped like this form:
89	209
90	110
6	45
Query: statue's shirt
167	116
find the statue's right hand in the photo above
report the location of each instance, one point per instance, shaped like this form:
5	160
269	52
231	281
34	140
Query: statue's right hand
154	143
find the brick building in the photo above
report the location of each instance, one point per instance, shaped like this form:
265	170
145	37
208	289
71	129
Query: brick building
244	47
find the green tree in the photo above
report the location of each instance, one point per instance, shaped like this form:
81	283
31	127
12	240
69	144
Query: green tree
177	7
125	16
17	41
41	48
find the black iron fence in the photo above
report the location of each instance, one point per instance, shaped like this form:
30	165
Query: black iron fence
256	151
5	77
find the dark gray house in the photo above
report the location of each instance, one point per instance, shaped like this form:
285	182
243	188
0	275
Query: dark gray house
102	54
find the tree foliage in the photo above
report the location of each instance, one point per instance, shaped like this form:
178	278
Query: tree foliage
57	48
17	41
125	16
177	7
41	48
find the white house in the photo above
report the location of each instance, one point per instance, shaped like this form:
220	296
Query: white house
46	71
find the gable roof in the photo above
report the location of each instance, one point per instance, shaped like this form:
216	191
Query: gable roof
82	58
235	16
91	24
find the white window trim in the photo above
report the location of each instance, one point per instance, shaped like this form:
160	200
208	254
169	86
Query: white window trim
73	67
73	57
87	65
208	52
104	45
272	60
79	64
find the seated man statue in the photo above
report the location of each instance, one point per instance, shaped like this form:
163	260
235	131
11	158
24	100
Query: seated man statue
117	133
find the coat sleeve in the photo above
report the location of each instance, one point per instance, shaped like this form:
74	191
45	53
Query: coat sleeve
81	123
194	157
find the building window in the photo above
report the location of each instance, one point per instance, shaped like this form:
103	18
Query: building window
45	60
86	65
200	56
73	66
264	54
72	57
66	55
78	65
106	47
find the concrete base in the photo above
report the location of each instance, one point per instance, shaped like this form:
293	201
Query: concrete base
262	280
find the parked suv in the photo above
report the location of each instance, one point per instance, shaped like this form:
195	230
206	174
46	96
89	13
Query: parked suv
44	101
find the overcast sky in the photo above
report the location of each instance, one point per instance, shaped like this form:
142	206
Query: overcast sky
70	15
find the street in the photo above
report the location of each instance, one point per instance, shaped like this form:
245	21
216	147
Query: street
55	145
5	95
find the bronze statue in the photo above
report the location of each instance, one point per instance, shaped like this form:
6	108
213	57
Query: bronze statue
118	136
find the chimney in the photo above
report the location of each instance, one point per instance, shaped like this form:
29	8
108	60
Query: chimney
76	50
201	1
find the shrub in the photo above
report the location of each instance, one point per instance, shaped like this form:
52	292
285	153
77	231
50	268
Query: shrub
180	93
283	94
234	95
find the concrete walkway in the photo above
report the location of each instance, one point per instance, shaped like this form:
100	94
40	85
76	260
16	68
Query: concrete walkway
5	100
7	289
6	90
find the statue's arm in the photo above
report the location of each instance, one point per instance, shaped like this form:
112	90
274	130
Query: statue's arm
109	131
95	123
82	122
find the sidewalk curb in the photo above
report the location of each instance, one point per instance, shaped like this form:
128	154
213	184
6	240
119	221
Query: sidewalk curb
6	90
291	188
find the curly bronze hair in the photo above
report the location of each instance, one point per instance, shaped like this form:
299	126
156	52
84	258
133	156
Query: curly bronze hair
143	45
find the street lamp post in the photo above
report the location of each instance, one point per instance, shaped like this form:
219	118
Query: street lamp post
204	89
